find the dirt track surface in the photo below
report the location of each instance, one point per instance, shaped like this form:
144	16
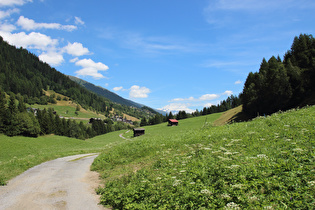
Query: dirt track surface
64	183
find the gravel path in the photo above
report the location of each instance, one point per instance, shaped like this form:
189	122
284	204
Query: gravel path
64	183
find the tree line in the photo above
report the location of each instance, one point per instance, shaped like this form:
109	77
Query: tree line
16	120
229	103
281	85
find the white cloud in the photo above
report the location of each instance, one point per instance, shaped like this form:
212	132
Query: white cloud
33	40
118	88
208	105
208	97
90	68
7	27
4	14
175	107
139	92
228	93
52	58
29	24
238	82
13	2
74	60
78	21
76	49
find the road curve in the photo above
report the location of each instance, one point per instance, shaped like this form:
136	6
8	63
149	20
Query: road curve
64	183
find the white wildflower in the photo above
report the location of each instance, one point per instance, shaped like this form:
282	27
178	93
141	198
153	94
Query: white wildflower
182	171
262	156
177	182
192	183
225	195
158	178
206	192
298	150
232	205
311	183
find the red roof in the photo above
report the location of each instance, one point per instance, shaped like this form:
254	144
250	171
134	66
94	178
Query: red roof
173	120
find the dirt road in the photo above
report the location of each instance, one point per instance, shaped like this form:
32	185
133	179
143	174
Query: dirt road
64	183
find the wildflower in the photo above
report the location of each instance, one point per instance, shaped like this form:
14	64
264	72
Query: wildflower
206	192
298	150
228	153
177	182
173	177
311	183
182	171
225	195
232	205
192	183
158	178
262	156
207	148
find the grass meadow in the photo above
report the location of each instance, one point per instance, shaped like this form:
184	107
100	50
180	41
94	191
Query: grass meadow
267	163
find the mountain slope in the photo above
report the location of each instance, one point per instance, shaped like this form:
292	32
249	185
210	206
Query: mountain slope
105	93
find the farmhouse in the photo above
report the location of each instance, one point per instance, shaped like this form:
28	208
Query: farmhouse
138	132
172	122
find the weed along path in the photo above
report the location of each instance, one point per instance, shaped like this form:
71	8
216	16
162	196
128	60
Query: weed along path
64	183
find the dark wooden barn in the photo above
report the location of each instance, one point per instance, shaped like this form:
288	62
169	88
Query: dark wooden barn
138	132
172	122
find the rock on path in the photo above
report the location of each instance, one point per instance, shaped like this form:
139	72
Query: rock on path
64	183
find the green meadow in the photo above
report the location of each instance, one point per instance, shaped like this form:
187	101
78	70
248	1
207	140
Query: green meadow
266	163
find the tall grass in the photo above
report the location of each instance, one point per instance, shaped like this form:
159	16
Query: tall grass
266	163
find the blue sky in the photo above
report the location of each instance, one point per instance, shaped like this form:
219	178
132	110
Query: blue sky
167	54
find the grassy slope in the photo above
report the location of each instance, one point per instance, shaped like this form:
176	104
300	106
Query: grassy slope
265	163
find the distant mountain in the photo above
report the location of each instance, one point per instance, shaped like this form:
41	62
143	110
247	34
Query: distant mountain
105	93
112	96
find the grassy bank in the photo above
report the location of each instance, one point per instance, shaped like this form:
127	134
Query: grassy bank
265	163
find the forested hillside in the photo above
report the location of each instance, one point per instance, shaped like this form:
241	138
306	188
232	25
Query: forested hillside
281	85
21	72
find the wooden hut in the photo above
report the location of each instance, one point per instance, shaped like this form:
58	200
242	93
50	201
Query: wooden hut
172	122
138	132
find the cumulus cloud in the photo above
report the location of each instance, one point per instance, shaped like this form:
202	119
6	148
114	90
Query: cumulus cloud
174	107
208	97
4	3
118	88
7	13
32	40
76	49
7	27
90	68
52	58
29	24
228	93
139	92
